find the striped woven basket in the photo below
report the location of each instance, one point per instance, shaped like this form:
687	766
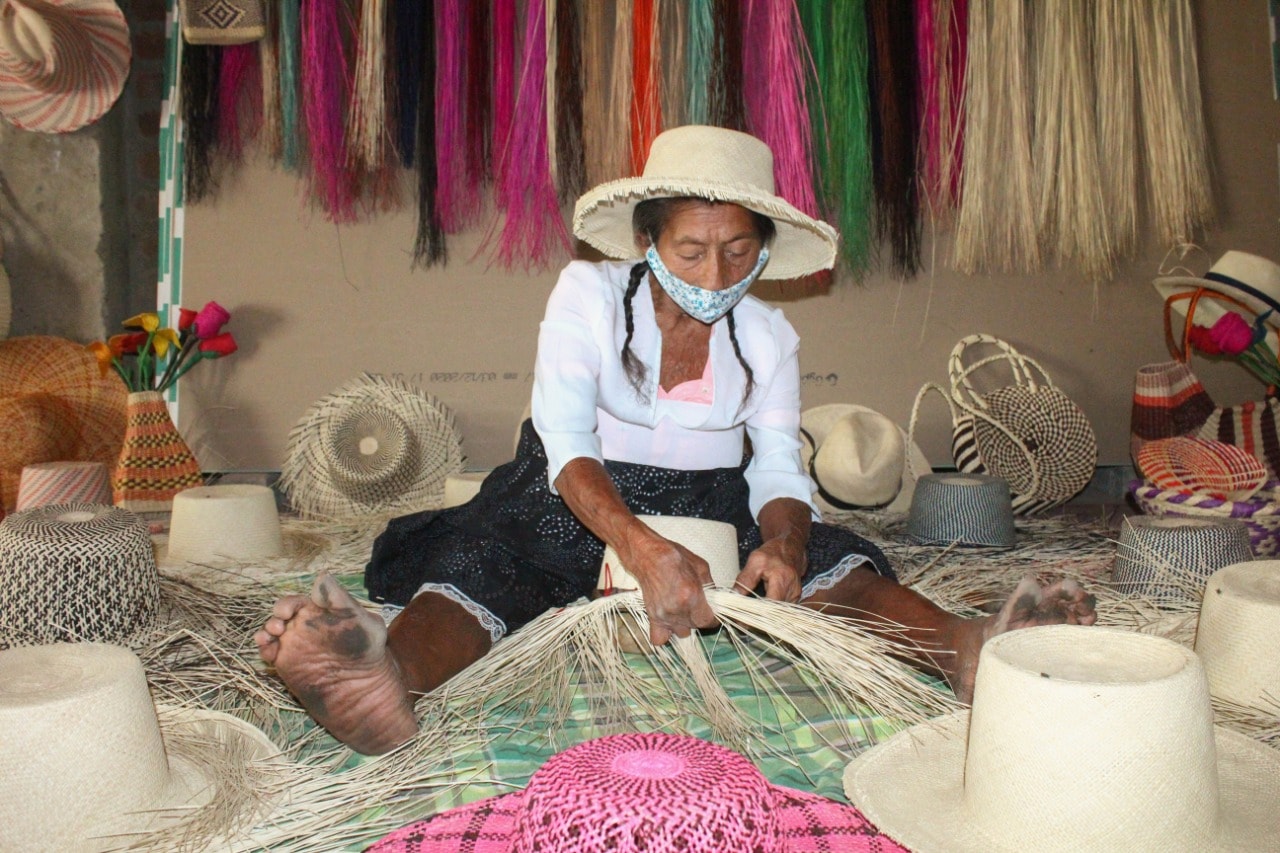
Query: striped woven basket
1260	513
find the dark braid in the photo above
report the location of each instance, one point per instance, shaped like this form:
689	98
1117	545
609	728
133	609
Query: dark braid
746	368
637	373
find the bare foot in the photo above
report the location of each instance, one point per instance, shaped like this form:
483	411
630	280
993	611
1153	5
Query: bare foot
1062	602
332	654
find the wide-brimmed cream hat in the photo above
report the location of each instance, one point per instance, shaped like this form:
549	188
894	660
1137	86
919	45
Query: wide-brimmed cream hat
1080	738
223	524
88	763
375	446
63	63
859	458
1249	279
714	541
716	164
1238	638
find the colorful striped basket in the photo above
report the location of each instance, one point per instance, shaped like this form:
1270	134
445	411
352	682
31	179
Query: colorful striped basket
1260	513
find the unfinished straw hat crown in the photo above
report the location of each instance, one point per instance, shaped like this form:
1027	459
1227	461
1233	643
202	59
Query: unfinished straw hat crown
714	541
719	165
1239	634
233	522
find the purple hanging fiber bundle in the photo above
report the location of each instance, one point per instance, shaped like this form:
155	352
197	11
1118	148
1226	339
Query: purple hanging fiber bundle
326	89
457	199
239	99
534	226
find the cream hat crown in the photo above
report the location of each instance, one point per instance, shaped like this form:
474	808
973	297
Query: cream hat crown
1238	638
859	458
228	523
714	541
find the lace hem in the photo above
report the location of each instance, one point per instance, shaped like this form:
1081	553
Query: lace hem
495	626
834	575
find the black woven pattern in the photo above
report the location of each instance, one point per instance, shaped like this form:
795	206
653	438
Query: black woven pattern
1172	558
517	550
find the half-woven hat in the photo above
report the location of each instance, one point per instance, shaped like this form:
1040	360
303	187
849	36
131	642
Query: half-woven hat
75	572
1170	558
63	63
1191	464
716	164
656	792
374	446
962	509
714	541
223	22
859	458
1239	634
90	764
1080	738
222	525
87	408
47	483
1249	279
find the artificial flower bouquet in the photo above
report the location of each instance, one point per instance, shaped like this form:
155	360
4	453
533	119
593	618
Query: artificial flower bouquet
1232	336
150	358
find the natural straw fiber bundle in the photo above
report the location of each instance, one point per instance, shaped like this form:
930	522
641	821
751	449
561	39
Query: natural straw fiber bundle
75	572
373	446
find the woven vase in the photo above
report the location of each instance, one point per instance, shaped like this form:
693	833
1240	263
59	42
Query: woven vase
155	463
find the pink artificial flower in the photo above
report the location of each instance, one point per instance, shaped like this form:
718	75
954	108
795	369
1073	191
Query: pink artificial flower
218	346
210	320
1232	333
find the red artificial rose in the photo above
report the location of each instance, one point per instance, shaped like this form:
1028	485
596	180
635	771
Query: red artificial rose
1202	340
185	318
210	320
126	344
1232	333
218	346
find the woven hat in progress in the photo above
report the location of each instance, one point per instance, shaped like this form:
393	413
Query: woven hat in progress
374	446
1080	738
964	509
714	541
232	523
63	63
90	764
75	572
55	400
1170	557
1239	634
719	165
656	792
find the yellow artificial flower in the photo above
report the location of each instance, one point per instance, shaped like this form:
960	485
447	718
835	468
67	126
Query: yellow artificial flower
161	340
148	322
103	353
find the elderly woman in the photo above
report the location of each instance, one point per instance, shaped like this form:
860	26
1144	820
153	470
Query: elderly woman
660	388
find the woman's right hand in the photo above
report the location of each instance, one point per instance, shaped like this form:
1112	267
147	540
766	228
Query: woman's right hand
673	581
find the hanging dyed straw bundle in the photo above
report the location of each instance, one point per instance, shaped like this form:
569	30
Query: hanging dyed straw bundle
617	125
239	99
269	62
566	116
995	228
699	44
672	41
457	199
199	76
1117	108
326	90
479	97
1173	128
406	24
505	54
428	243
646	116
895	131
726	80
597	33
291	145
367	126
940	30
1071	215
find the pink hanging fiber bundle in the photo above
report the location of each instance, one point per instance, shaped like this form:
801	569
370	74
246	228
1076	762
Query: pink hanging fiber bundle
239	113
457	198
326	91
504	75
534	226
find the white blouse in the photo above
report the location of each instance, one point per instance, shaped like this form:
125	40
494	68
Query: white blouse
584	405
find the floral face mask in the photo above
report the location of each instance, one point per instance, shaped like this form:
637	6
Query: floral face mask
698	302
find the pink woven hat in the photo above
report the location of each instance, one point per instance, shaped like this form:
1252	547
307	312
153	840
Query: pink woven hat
654	792
1191	464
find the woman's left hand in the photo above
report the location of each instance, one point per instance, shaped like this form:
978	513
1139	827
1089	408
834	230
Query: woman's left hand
779	565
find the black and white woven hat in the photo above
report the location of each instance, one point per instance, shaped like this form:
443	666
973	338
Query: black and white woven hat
76	573
374	446
1170	557
962	508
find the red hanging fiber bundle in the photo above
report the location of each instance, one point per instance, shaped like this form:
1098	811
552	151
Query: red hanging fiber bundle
239	113
646	117
457	199
504	75
479	96
326	89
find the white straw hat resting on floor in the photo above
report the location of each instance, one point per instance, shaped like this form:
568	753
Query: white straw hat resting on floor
859	459
86	763
1238	638
714	541
1080	738
231	523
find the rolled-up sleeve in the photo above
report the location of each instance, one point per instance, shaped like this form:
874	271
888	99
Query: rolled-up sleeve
774	429
567	370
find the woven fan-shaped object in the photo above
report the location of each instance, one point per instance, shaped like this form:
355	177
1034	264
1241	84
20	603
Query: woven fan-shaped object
1190	464
51	384
374	446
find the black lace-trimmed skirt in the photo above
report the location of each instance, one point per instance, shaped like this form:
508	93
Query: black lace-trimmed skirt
516	550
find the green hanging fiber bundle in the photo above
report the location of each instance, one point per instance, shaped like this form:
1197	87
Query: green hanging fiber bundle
290	152
700	44
815	18
849	173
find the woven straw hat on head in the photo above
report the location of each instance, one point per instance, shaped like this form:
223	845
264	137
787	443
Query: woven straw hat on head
1078	739
656	792
962	509
232	523
374	446
863	460
719	165
86	408
1238	638
75	572
714	541
1169	558
63	63
1191	464
90	764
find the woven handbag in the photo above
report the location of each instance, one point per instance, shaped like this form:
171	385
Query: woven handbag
1028	432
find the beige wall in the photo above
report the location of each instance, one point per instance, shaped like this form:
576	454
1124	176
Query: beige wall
315	304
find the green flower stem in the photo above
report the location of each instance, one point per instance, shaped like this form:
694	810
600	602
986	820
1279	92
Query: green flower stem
120	371
1262	366
182	372
170	372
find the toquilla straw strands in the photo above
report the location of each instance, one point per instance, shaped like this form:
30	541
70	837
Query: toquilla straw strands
1117	119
